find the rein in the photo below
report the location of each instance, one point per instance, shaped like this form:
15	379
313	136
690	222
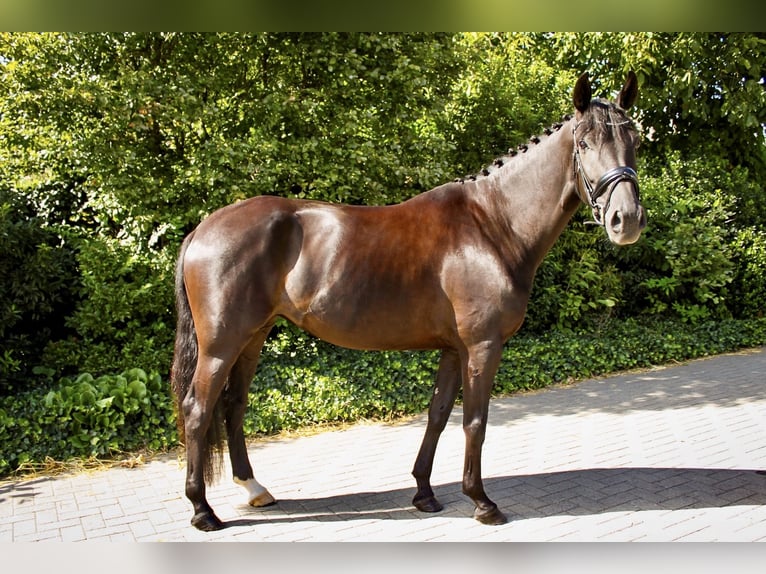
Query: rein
605	184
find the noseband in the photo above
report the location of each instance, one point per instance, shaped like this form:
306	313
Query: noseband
605	184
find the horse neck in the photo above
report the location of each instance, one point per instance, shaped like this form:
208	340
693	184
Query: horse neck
529	201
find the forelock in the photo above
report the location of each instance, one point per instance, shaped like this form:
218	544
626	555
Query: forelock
608	120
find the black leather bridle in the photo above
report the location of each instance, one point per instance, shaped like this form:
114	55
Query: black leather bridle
605	184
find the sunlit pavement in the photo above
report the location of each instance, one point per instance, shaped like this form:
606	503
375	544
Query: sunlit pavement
670	454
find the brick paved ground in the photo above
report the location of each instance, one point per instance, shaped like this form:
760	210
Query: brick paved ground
664	455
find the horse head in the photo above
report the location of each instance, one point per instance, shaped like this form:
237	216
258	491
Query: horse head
605	142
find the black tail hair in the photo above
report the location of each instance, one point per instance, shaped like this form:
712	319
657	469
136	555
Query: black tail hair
185	355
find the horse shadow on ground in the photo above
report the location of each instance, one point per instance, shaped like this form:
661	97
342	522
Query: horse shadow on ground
573	493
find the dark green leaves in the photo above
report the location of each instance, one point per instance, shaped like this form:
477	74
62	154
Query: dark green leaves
87	417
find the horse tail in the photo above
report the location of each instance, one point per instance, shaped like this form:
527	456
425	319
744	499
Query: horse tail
185	356
185	351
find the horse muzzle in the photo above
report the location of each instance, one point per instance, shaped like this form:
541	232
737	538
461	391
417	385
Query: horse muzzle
624	218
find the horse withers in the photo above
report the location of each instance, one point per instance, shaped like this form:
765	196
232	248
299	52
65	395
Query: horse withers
449	269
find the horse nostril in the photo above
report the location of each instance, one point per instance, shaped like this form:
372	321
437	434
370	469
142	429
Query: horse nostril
616	221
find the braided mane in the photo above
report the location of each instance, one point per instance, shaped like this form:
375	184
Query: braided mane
514	152
603	116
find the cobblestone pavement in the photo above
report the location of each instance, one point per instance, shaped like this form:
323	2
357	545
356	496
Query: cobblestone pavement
669	454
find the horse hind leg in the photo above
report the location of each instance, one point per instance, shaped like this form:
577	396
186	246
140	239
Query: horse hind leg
448	380
235	405
202	438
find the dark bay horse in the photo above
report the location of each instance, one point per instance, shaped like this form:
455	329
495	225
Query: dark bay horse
449	269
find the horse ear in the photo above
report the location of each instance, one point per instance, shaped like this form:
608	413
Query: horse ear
582	93
629	93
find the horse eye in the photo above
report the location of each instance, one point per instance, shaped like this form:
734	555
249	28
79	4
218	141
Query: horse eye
583	144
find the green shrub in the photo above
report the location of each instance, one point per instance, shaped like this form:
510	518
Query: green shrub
682	266
124	316
85	417
37	284
749	288
576	284
531	362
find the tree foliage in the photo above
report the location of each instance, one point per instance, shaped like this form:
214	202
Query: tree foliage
697	89
114	146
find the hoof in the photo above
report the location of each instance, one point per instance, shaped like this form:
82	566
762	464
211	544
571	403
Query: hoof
263	499
257	495
207	522
491	516
426	503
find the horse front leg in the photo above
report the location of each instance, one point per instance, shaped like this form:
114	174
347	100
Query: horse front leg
442	401
480	369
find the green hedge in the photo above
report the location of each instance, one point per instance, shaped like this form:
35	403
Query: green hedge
303	381
86	417
535	362
114	146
